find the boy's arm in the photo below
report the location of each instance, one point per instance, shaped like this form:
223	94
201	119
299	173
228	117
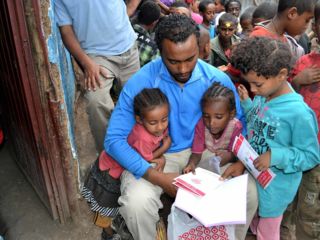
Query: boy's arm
132	6
193	162
304	151
303	73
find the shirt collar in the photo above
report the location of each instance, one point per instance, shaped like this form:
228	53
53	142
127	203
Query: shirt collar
195	76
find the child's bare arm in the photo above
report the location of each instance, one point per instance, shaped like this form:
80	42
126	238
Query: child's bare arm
243	93
166	142
226	157
306	77
193	162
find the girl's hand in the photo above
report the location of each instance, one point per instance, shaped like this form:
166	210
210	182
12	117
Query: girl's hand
189	168
160	163
234	170
225	156
243	93
262	162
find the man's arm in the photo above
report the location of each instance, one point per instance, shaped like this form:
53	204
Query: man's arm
91	69
163	180
132	6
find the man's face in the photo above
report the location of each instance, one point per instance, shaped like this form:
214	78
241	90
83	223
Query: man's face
180	58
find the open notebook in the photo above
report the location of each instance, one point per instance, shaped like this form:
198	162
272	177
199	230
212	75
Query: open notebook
211	201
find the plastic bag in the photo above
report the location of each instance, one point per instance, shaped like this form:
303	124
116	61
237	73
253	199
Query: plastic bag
183	227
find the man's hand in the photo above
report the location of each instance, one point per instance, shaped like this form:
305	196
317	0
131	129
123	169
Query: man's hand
234	170
307	76
160	162
92	72
168	187
163	180
263	161
243	93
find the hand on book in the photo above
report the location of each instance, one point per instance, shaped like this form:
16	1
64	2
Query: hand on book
189	168
167	185
234	170
262	162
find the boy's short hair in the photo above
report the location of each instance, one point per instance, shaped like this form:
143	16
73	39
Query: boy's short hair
301	5
149	12
265	56
227	17
266	10
317	11
227	3
203	5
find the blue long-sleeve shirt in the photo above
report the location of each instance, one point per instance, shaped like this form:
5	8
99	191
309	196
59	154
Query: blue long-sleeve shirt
185	110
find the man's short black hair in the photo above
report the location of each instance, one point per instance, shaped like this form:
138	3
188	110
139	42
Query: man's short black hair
317	11
265	10
227	3
176	28
301	5
227	17
148	13
265	56
203	5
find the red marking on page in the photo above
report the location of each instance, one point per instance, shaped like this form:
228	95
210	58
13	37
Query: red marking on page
189	187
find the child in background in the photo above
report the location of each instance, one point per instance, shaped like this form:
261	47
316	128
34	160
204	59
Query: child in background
219	10
246	22
217	128
204	45
292	19
148	16
221	45
206	10
305	77
234	7
149	137
265	11
282	129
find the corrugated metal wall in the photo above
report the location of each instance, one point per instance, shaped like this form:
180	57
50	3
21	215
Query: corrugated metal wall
34	107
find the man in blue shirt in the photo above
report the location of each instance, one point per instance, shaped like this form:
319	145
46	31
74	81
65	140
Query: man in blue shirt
100	37
184	79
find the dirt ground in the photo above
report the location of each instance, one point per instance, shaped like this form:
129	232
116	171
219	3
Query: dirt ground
24	217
